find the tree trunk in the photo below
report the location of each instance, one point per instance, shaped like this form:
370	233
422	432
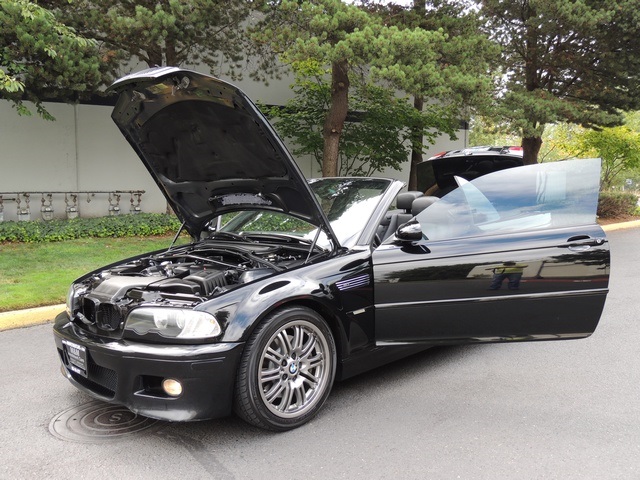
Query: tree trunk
420	7
171	54
154	57
336	116
416	148
530	149
531	145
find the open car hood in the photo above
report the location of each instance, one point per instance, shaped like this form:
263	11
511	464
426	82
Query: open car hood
209	148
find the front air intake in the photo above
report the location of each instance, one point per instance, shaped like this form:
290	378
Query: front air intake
109	317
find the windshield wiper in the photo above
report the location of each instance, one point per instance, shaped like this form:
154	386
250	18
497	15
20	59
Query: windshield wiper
313	244
279	236
231	236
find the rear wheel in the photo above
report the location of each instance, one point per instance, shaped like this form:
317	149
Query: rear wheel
286	371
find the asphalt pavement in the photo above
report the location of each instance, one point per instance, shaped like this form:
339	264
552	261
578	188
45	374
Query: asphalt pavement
556	410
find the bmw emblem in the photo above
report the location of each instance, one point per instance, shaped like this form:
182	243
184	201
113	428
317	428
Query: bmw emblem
293	368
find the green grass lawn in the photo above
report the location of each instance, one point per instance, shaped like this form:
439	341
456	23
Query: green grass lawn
37	274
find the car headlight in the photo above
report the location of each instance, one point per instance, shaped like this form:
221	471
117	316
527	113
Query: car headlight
173	322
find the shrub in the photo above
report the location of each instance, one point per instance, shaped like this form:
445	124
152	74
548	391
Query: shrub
144	224
616	204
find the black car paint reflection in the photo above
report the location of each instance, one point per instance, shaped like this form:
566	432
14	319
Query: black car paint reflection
445	295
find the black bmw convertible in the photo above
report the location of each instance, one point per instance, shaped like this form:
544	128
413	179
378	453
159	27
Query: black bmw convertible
289	284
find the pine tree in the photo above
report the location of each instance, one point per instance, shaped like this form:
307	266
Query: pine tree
456	74
41	58
565	60
358	44
165	32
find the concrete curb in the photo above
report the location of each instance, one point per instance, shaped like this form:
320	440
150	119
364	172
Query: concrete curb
37	316
29	316
621	226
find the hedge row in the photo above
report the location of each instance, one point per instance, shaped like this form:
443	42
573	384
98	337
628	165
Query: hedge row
610	205
143	224
616	204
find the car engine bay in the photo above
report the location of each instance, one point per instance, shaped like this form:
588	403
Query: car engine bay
182	276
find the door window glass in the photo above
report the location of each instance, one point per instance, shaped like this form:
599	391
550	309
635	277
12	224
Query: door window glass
532	197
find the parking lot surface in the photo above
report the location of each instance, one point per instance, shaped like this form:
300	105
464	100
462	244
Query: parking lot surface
566	410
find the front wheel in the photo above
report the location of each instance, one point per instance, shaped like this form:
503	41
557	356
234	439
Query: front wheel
286	371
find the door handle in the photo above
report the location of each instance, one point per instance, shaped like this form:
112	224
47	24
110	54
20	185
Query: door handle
581	243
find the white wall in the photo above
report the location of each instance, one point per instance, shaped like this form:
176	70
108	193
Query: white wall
81	151
84	151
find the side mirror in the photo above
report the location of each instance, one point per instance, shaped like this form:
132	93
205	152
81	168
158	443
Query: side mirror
409	232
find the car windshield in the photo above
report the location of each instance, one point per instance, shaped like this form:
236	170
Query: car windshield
348	203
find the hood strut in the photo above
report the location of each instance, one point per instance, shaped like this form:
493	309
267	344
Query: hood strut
313	245
175	238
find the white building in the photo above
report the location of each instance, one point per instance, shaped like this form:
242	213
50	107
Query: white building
83	151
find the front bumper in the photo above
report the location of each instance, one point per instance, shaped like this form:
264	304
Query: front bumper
129	373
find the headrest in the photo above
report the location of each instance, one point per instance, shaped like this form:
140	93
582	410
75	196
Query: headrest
404	200
420	203
484	167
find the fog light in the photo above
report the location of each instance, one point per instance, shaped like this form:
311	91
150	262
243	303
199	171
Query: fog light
172	387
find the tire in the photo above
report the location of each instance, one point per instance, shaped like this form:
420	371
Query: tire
286	371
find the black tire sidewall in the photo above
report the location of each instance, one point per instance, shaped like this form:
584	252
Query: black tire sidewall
254	410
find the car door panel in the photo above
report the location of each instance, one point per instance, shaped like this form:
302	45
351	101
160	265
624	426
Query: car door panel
441	295
497	284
